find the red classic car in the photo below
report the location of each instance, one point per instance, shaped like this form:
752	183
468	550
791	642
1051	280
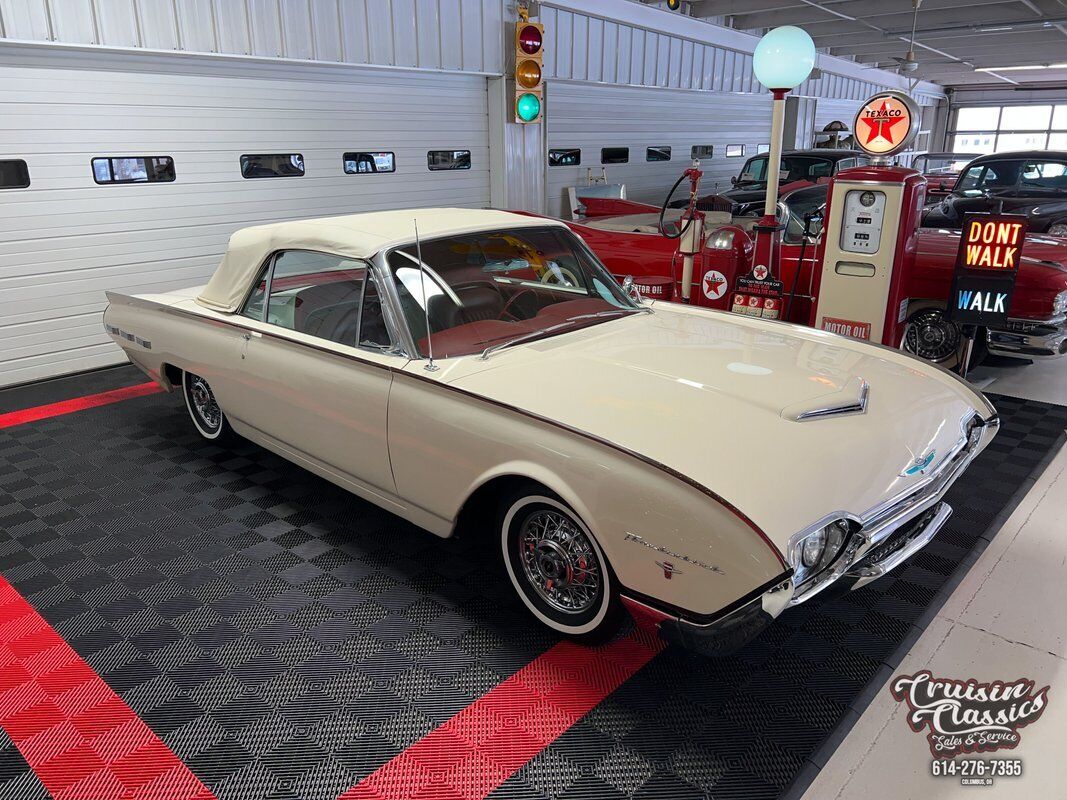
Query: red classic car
631	244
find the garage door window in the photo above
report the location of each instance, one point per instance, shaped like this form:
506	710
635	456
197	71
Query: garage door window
700	151
272	165
1000	129
735	150
565	157
133	169
448	159
14	174
363	163
614	155
657	154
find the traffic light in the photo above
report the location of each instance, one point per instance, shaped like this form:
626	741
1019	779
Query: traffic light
529	75
674	5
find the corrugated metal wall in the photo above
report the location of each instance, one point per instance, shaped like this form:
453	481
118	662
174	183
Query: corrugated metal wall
460	35
592	117
588	48
65	239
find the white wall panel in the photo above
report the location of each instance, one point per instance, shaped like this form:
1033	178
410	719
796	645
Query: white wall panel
118	23
232	27
465	35
64	240
26	19
73	21
159	25
591	116
196	25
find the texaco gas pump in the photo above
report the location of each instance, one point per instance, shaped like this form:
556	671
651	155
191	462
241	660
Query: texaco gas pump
872	220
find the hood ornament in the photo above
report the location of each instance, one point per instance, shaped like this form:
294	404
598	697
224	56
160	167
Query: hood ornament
919	464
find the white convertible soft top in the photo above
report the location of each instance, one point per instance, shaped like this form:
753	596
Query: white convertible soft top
353	236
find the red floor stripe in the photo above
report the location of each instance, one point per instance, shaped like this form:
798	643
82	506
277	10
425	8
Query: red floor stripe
78	736
479	748
76	404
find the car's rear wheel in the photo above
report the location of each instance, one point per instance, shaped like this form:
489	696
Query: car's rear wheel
557	568
204	410
1058	228
932	336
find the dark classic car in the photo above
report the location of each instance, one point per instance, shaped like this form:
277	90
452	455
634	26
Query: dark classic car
1033	183
941	171
750	186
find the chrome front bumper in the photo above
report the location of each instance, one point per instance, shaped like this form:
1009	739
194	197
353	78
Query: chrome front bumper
886	535
1025	338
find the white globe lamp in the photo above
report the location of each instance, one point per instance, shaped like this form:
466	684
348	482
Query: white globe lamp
783	59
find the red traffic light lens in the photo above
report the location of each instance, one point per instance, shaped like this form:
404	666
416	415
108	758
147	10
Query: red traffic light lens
530	40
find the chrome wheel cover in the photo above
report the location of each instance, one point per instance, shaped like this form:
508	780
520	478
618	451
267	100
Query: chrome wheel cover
1059	229
930	335
204	403
559	562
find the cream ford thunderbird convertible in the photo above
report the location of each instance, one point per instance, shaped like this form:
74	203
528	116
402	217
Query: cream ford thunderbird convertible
488	377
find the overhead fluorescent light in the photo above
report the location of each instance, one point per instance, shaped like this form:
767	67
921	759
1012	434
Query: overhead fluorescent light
1019	68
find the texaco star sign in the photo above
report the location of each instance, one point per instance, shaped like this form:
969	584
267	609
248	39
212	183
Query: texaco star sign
886	123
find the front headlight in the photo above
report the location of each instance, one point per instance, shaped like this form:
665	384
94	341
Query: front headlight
1059	303
812	552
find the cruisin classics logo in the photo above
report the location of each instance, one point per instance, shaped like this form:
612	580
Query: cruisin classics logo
968	716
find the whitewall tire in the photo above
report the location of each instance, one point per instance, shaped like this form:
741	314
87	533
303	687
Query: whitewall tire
557	568
203	408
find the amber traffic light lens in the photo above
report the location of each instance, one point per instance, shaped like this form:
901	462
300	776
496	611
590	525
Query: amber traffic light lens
530	40
528	73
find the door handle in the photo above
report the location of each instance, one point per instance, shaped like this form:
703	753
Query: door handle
250	334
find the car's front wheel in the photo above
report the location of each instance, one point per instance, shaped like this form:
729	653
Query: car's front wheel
557	568
932	336
204	410
1058	228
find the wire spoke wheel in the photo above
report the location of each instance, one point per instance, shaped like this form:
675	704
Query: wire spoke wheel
932	336
204	403
559	562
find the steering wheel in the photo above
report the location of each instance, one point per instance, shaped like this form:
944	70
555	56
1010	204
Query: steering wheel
560	276
505	310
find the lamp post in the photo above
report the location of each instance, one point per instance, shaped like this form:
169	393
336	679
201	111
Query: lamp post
782	61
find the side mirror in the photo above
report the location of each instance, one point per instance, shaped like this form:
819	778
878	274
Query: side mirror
631	289
734	180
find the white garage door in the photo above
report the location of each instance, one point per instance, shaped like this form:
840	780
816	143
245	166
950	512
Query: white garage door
593	117
64	239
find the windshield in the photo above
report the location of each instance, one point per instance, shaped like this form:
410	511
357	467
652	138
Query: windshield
793	168
798	204
941	165
487	288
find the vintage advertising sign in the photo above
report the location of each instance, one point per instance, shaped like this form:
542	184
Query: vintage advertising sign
757	297
886	123
847	327
991	247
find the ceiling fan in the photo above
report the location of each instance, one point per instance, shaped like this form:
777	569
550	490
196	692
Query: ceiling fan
909	63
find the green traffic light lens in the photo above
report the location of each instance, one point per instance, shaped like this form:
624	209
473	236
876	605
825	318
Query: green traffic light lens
528	107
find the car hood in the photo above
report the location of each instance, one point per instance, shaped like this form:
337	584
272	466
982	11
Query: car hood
712	396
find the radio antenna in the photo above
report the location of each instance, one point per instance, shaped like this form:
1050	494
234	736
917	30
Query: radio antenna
431	367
